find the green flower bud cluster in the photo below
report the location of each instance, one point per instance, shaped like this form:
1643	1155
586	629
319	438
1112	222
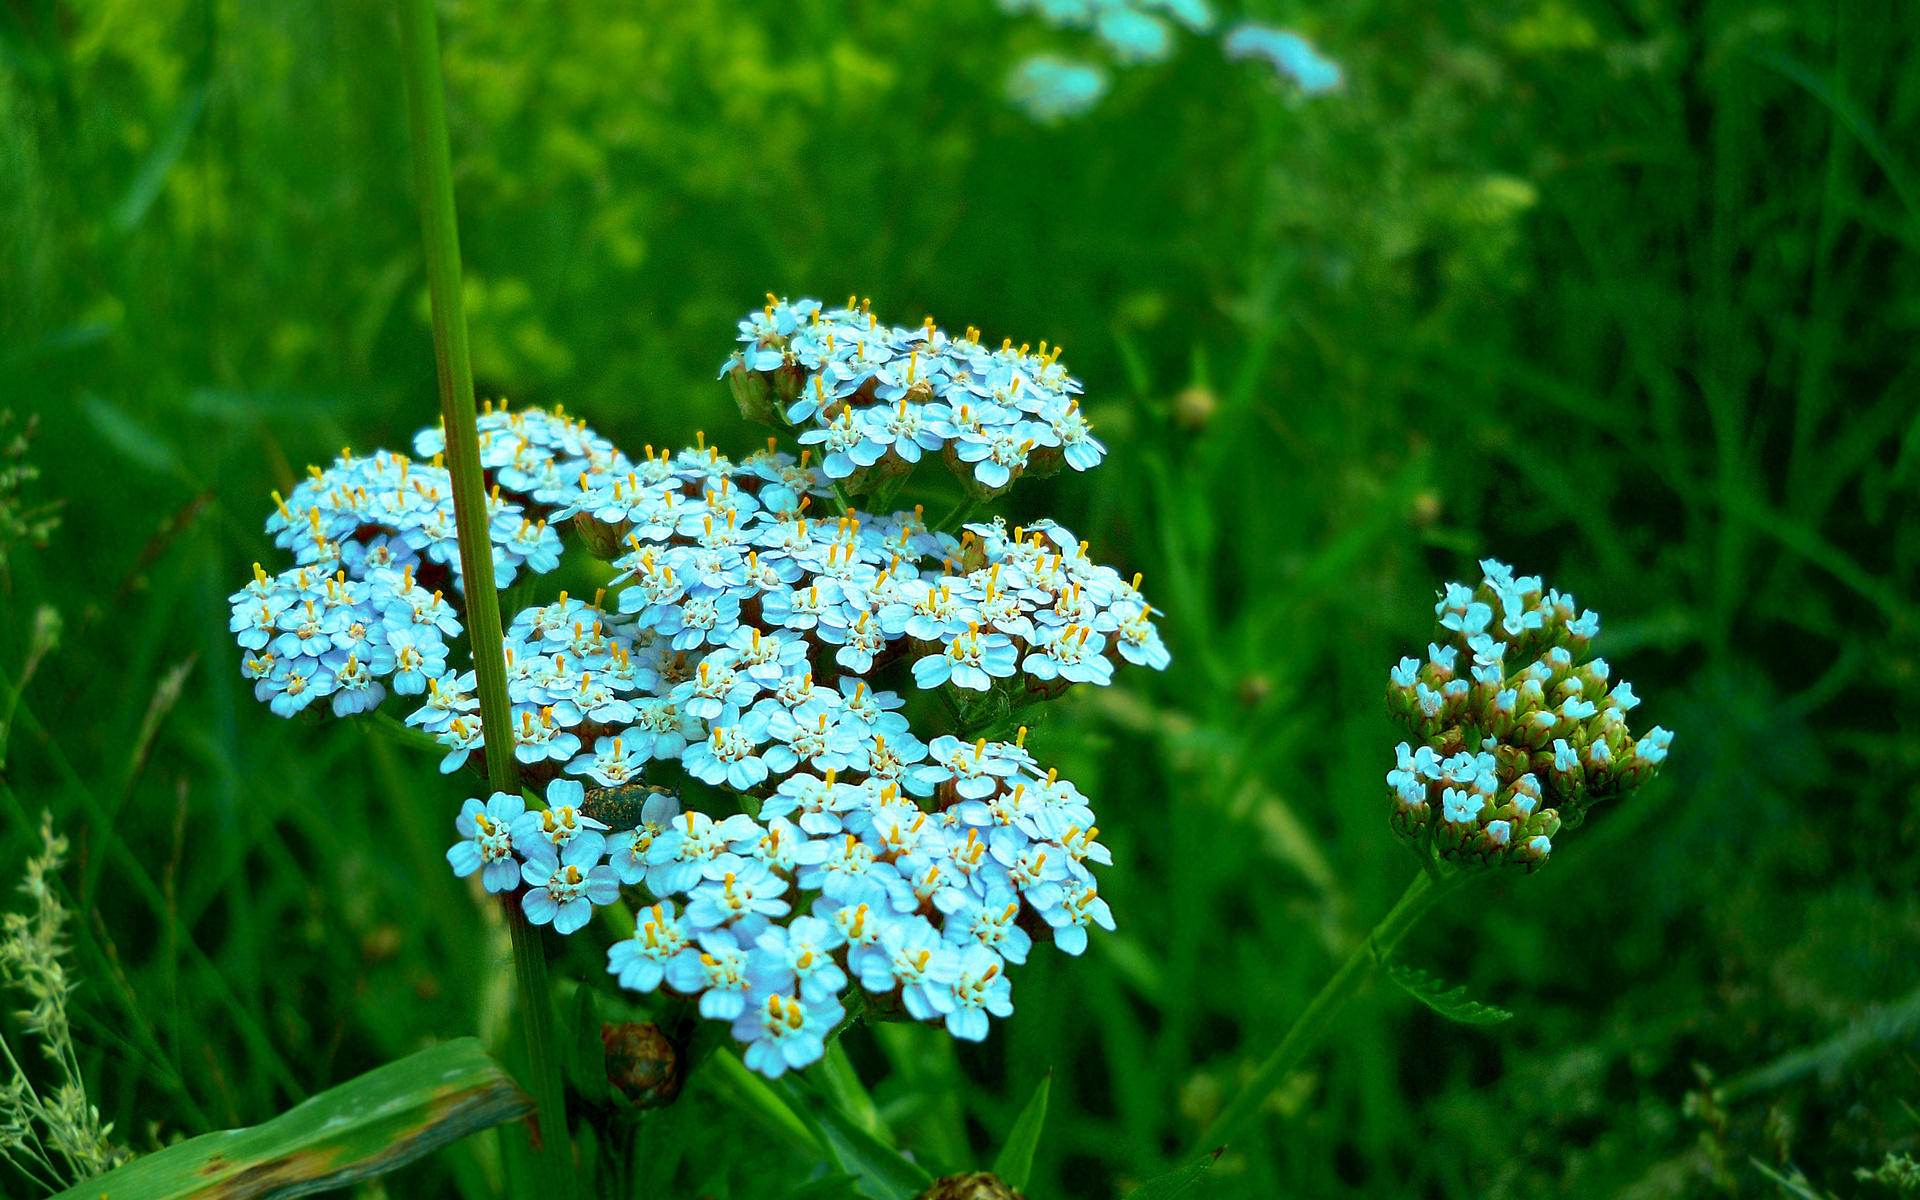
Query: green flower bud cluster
1516	733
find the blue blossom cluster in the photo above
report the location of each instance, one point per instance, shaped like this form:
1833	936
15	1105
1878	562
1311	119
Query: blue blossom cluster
1132	29
1292	56
537	455
384	510
742	645
1516	731
307	635
1050	88
922	888
872	400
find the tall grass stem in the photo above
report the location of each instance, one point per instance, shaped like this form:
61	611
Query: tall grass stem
1426	890
433	179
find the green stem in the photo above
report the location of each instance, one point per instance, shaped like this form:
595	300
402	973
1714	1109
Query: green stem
959	513
439	228
1423	893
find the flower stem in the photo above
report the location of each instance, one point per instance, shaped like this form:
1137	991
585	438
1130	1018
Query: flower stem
433	180
1423	893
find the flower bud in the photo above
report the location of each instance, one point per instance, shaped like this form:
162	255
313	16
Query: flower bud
1194	407
753	392
642	1064
974	1185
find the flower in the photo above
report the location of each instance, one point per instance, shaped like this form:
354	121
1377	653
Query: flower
486	845
716	970
784	1032
980	987
801	952
640	962
562	890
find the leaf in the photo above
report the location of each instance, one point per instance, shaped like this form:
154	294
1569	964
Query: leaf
1014	1166
730	1080
884	1173
1174	1183
129	437
827	1187
843	1087
146	185
1453	1005
362	1128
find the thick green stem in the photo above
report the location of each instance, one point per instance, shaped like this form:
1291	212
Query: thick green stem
1423	893
433	179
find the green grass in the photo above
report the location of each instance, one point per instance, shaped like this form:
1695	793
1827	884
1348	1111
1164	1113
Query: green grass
1624	294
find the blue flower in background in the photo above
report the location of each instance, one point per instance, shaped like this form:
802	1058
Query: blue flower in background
1049	88
1291	55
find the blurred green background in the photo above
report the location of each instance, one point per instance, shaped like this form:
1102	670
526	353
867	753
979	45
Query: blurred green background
1623	292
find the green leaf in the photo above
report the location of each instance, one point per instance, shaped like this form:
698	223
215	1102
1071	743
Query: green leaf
884	1173
1014	1166
362	1128
1452	1004
843	1087
734	1084
827	1187
1174	1183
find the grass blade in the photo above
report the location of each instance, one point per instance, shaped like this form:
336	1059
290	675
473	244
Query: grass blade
1014	1166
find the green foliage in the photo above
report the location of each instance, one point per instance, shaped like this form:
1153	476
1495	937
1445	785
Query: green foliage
1451	1003
359	1130
1622	293
1014	1163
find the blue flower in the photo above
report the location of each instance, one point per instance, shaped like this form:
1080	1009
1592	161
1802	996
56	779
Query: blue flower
615	761
1050	88
627	850
782	1032
716	970
487	841
991	924
749	890
910	956
418	656
1081	907
1290	54
296	683
562	891
972	660
800	952
980	988
1065	653
729	754
696	848
640	962
355	688
1133	35
464	737
558	824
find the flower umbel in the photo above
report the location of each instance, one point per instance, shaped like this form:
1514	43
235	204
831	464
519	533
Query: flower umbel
1517	732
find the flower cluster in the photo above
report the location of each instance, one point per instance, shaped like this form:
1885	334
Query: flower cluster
308	635
1517	732
871	400
1131	29
1291	56
761	653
